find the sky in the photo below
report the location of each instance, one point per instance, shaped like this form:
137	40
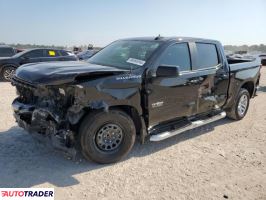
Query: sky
99	22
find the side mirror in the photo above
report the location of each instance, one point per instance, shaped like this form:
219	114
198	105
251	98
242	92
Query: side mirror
167	71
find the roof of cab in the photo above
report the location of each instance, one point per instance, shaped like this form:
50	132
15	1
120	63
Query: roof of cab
176	38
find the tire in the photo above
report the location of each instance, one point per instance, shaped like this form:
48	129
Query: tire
95	128
7	73
235	112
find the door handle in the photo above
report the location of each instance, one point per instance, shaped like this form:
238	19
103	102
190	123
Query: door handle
195	80
223	76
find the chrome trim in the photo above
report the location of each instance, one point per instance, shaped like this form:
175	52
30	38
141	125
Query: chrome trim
194	124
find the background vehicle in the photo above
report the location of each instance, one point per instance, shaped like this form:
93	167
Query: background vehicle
84	55
20	50
6	51
263	59
77	50
151	87
8	65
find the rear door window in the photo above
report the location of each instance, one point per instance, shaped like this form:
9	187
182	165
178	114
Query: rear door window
177	55
206	55
51	53
63	53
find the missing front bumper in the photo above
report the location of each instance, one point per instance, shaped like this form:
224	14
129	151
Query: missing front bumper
44	127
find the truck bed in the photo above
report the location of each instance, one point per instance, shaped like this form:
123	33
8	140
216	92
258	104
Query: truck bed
237	64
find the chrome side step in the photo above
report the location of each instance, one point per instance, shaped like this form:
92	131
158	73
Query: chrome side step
194	124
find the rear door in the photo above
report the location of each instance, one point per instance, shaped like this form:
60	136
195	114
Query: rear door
213	76
67	56
51	55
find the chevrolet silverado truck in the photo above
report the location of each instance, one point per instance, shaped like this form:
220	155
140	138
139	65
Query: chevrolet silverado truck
146	88
8	65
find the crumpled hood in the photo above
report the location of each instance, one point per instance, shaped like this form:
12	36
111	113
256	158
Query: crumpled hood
54	73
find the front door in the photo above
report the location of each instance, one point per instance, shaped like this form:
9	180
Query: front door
173	97
50	55
33	56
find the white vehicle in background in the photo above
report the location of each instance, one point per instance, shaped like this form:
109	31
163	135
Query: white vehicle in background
84	55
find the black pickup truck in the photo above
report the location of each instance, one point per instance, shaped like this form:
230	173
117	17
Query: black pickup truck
153	88
8	65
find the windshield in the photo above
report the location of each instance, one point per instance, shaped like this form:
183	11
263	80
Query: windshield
125	54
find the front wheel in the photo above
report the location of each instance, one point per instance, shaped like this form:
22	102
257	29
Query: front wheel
8	72
240	108
106	137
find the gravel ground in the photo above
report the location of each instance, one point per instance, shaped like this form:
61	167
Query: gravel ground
226	159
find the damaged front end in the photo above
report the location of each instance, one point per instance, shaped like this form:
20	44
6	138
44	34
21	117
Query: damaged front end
48	111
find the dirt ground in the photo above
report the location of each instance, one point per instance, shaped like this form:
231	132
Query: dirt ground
226	159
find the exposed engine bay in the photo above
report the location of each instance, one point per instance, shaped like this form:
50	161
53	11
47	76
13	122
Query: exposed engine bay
47	110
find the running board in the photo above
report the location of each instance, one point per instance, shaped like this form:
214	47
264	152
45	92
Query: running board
194	124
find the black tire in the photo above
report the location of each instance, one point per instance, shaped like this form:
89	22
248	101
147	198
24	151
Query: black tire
7	73
93	123
234	112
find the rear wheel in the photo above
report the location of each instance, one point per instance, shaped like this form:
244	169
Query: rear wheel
106	137
8	72
240	108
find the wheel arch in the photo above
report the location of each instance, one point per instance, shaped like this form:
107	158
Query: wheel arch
9	65
249	86
2	67
132	112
